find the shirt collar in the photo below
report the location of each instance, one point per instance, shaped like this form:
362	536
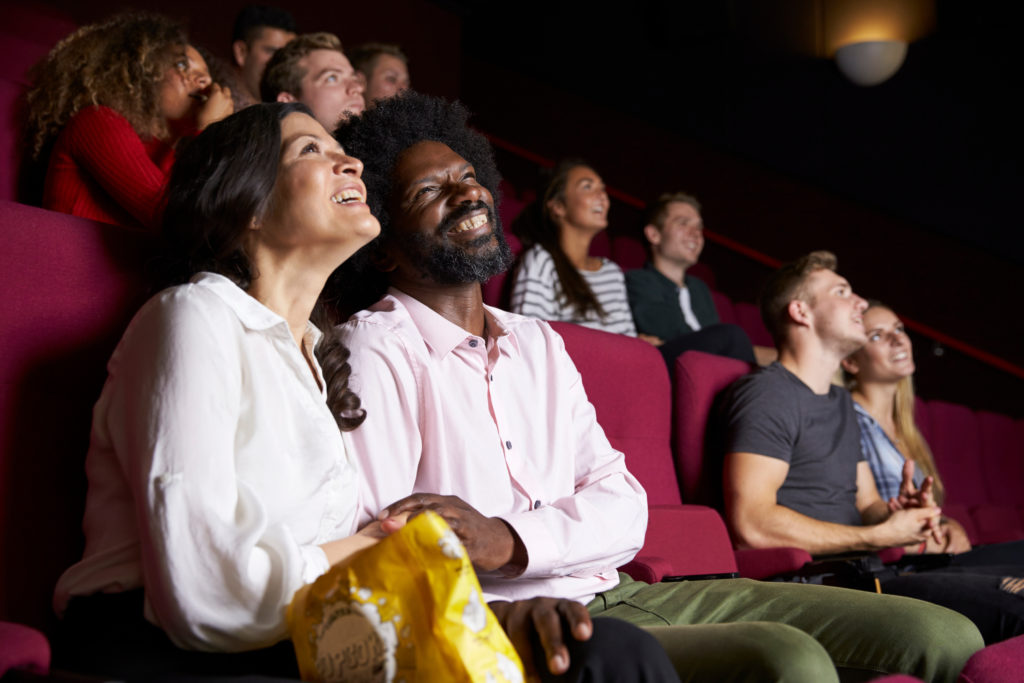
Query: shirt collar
443	336
252	314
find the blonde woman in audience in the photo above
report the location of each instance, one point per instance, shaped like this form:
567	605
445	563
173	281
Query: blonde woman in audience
880	379
557	278
109	105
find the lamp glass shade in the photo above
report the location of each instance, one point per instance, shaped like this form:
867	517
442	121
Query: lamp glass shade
871	62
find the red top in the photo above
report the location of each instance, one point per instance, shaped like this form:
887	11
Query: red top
101	169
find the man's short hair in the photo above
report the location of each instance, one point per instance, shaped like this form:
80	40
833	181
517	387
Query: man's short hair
787	284
378	137
253	18
364	57
283	73
658	209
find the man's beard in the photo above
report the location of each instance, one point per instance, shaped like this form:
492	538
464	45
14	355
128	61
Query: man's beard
452	264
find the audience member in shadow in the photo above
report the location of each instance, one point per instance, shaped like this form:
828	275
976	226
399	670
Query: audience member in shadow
385	69
110	103
259	32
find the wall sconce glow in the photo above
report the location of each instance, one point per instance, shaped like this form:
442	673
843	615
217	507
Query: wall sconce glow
871	62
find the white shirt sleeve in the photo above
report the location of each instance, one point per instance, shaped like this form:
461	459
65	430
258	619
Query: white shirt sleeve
217	571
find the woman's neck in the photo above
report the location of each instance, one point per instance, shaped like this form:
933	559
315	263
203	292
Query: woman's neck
879	401
576	245
288	289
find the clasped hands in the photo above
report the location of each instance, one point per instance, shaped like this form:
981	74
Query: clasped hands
910	497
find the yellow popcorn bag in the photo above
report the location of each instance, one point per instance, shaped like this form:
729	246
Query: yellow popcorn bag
407	609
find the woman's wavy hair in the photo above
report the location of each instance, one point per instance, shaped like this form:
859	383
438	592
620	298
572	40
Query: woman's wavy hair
540	227
912	440
220	184
118	63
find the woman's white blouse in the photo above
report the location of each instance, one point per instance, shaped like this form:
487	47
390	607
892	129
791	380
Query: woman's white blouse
215	469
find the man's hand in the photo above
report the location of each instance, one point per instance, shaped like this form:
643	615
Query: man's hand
490	541
546	617
651	339
903	527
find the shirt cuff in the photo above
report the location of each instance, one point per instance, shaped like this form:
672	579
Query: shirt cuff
542	552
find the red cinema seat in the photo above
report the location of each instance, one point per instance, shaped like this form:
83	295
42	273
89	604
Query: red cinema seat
70	286
700	378
705	273
748	316
627	382
629	252
724	307
998	663
23	649
11	125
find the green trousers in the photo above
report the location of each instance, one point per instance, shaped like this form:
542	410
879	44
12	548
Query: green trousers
743	630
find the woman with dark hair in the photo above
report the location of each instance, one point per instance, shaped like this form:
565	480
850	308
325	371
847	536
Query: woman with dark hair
557	278
110	103
219	481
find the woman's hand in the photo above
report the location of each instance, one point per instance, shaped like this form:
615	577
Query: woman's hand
218	105
370	535
651	339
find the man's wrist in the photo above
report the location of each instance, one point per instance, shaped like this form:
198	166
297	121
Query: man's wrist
519	558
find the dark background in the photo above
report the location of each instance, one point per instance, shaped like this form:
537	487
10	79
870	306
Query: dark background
913	183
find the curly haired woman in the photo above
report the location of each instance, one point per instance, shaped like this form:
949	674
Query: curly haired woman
110	103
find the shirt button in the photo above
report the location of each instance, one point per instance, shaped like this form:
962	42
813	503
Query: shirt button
491	378
536	504
508	444
472	343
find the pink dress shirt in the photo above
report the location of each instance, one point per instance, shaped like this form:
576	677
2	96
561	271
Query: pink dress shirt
503	423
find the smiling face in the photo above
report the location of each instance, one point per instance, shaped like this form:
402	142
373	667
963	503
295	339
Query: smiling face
330	87
837	313
319	201
680	239
888	355
584	204
389	77
445	229
183	82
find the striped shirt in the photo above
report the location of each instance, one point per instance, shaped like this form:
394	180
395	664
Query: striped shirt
537	293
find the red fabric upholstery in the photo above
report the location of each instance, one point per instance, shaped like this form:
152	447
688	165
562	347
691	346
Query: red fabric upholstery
748	316
699	379
723	304
896	678
23	648
10	136
627	382
956	445
629	252
998	663
18	54
1002	457
70	286
704	272
36	21
628	385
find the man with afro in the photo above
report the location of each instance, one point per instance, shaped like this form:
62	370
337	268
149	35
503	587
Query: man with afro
480	415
